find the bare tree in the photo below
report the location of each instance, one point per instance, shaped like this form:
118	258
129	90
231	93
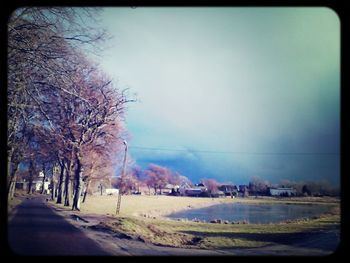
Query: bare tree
176	178
41	42
157	177
211	185
258	186
52	85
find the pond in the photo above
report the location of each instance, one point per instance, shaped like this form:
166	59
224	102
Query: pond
252	213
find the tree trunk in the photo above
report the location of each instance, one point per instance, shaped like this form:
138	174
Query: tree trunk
67	191
30	186
12	187
43	185
60	185
12	184
68	183
86	191
53	191
87	185
78	184
9	174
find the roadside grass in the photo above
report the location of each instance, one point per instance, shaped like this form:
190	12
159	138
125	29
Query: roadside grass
209	236
142	218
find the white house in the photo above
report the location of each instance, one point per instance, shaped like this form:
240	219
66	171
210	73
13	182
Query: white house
183	187
37	184
168	188
282	191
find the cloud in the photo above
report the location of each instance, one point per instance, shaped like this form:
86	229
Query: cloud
231	79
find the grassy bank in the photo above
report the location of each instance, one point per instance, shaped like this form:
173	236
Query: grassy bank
142	218
209	236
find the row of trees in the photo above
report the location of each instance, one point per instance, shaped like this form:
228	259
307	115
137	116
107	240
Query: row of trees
258	186
155	177
63	111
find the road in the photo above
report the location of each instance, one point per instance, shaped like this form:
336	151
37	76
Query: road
35	229
38	229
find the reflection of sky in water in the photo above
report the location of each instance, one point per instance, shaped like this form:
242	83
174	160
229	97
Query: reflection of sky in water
262	213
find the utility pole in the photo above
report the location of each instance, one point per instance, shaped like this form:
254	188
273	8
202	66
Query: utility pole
122	177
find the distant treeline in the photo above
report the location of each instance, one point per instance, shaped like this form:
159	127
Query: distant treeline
156	178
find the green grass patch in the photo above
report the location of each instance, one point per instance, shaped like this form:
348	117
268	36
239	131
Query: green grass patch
209	236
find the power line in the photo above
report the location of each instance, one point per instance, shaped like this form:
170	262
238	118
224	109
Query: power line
232	152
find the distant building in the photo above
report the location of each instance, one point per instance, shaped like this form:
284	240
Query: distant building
196	190
282	191
36	185
170	189
228	189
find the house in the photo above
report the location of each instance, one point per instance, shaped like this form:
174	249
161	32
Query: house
170	189
193	191
183	187
196	190
228	189
282	191
37	185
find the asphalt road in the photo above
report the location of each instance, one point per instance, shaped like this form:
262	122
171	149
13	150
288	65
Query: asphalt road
35	229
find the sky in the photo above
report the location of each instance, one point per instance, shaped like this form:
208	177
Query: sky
230	93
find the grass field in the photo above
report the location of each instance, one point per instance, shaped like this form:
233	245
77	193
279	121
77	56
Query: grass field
158	206
142	218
